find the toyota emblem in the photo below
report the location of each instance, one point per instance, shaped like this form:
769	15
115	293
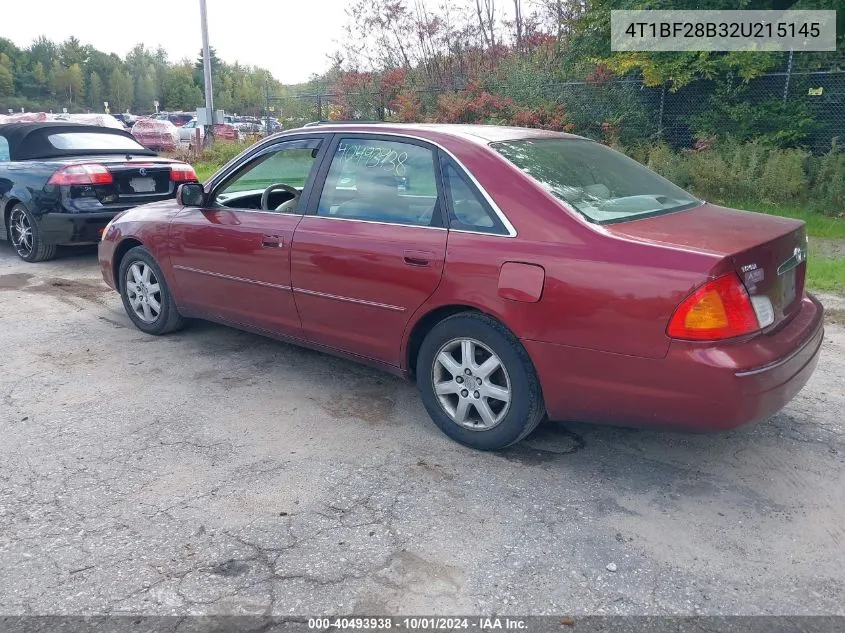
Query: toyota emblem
142	171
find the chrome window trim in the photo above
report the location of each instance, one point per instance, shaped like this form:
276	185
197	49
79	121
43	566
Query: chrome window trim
254	151
498	211
410	226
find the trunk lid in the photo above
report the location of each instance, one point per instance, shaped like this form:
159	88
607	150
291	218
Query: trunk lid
768	253
136	180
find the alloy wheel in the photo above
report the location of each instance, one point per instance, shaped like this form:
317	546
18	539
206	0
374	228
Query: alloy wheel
21	231
143	291
471	384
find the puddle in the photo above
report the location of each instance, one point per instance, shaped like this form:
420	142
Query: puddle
550	442
14	281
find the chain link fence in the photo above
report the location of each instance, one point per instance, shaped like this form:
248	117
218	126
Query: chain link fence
803	109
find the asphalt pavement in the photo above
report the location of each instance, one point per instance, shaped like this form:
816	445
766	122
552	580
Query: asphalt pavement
217	472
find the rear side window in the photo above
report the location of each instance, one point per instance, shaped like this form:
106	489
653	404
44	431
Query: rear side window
380	181
467	208
4	150
600	183
93	141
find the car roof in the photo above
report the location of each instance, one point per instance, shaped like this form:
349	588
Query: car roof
482	134
29	141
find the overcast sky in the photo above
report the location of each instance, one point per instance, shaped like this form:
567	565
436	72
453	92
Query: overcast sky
291	38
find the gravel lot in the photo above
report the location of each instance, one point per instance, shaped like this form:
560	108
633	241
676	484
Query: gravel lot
213	471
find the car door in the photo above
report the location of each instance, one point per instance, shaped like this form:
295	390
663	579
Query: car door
231	258
370	249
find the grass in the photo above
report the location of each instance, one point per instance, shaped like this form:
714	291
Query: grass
206	170
818	225
825	274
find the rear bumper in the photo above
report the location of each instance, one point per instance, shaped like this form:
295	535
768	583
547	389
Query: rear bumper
75	228
696	387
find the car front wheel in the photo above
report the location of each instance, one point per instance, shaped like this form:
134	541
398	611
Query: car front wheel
478	383
145	293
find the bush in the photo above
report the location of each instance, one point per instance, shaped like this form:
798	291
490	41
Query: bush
669	164
827	181
728	171
784	178
733	111
221	152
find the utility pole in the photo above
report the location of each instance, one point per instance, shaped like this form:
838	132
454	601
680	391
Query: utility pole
206	72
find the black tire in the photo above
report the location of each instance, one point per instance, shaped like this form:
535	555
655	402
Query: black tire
526	408
32	247
168	318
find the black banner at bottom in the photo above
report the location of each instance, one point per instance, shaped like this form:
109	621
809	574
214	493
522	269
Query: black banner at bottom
410	624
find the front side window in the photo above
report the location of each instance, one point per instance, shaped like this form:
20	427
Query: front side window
380	181
280	174
4	150
602	184
93	141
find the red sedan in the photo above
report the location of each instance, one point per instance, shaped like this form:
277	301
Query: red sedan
511	272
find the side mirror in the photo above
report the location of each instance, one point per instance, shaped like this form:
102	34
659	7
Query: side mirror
190	194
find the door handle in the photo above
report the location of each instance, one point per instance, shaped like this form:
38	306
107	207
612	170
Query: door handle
418	258
273	241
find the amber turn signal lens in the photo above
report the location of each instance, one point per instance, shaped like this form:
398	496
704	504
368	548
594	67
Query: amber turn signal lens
719	309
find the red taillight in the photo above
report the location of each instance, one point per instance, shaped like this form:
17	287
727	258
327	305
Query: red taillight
719	309
182	173
88	174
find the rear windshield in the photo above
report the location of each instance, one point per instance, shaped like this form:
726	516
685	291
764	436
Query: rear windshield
93	141
602	184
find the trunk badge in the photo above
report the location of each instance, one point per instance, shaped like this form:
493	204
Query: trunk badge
799	255
143	171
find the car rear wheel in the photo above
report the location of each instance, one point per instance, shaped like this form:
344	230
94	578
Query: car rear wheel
146	295
478	383
26	237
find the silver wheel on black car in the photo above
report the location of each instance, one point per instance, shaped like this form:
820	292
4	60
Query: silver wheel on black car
26	238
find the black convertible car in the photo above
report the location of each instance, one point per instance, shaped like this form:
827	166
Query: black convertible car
61	183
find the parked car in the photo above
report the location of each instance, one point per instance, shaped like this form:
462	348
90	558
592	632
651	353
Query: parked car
176	118
156	134
187	132
127	119
226	132
93	118
61	183
28	117
511	272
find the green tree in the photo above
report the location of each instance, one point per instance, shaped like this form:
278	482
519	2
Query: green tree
145	90
95	91
38	73
121	90
7	81
73	52
592	40
216	66
42	51
180	92
67	82
73	83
